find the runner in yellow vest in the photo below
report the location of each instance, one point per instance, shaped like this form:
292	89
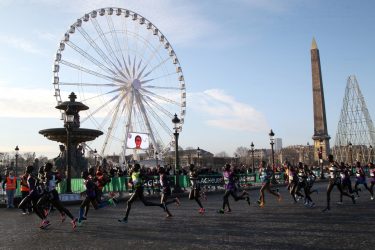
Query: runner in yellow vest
137	182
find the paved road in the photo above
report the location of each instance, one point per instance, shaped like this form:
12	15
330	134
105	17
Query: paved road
277	226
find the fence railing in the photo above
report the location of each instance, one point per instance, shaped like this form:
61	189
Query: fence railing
152	183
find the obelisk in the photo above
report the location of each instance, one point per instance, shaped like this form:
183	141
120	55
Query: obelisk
320	137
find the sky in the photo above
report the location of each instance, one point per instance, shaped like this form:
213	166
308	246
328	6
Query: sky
246	66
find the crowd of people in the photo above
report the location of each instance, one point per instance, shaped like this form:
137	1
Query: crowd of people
39	194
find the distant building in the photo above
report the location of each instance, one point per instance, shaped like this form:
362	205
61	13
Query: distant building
278	144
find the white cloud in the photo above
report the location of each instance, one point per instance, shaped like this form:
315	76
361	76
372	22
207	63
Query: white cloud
225	112
19	43
270	5
27	103
48	36
182	22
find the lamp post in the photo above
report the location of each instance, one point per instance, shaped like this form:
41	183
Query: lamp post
176	121
308	153
320	154
370	158
157	158
16	149
95	156
236	159
272	142
350	146
198	154
69	120
252	157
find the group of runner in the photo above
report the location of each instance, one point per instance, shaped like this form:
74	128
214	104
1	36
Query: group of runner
43	195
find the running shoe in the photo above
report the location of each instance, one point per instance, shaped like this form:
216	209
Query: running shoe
353	199
312	204
220	211
202	210
279	198
63	217
24	213
74	223
44	224
372	197
112	202
124	220
228	211
339	203
81	219
248	200
177	201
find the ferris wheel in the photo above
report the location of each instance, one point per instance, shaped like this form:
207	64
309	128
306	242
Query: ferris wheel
123	67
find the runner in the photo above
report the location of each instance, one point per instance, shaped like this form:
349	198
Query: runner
33	197
302	179
137	184
372	180
265	173
346	183
310	180
90	197
166	192
293	182
51	179
195	188
230	189
361	178
334	180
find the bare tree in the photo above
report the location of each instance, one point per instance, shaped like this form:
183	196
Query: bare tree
222	154
242	152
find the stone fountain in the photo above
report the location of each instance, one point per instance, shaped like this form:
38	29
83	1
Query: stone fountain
71	136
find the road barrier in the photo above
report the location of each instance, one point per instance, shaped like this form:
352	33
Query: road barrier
152	183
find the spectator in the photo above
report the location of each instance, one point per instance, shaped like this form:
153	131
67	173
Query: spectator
11	185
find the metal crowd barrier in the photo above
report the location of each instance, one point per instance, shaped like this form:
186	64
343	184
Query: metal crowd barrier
152	184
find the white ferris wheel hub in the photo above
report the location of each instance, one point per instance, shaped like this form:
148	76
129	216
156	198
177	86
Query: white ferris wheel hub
136	84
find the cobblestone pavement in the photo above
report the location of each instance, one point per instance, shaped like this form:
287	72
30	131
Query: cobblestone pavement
276	226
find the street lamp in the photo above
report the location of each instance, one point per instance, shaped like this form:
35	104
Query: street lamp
176	121
95	156
252	157
350	146
370	158
157	158
272	142
69	120
272	139
198	154
236	159
16	149
320	154
307	153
